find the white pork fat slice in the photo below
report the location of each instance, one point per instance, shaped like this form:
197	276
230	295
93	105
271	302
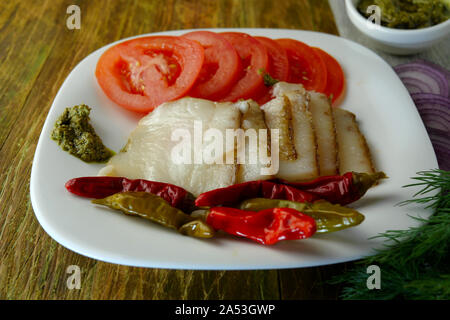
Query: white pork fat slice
305	166
155	148
252	122
323	123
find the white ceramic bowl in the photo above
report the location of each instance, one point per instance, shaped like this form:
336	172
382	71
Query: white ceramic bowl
398	41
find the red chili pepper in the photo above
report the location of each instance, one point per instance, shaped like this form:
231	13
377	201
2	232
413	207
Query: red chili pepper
266	226
102	187
337	189
236	193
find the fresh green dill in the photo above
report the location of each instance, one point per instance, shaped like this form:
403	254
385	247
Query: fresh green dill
267	78
414	263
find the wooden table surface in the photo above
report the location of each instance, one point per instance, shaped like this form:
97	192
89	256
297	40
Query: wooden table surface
37	52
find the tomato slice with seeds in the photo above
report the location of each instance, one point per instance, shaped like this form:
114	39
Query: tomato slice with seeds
335	76
221	67
305	65
278	67
253	58
142	73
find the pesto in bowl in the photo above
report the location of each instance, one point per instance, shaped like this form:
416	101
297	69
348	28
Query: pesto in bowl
407	14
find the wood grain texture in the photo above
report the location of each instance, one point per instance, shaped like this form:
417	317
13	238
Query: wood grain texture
37	52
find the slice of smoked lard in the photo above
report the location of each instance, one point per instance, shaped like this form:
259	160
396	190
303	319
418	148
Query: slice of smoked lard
278	115
305	166
323	123
172	130
353	151
252	121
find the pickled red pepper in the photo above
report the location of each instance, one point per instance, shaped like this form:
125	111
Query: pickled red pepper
234	194
266	226
338	189
101	187
329	217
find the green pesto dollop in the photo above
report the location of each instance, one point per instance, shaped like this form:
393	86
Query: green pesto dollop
408	14
74	133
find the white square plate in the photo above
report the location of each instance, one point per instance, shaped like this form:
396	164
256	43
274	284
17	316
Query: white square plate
387	116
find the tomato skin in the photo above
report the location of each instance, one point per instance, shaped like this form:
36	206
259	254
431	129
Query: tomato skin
335	76
221	67
305	65
141	73
278	65
254	57
278	60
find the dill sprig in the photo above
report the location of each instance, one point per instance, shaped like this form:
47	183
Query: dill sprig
414	263
267	78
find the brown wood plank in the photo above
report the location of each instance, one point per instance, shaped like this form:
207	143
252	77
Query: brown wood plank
322	17
25	43
37	52
311	283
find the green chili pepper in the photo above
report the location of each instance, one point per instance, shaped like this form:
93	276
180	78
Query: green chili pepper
329	217
156	209
197	228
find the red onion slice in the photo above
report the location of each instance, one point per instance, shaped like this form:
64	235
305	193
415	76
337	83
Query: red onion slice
429	98
436	78
441	147
438	68
435	113
434	110
428	84
416	85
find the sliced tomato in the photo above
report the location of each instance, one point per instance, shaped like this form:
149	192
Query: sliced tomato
253	58
142	73
221	67
278	65
335	76
278	60
305	65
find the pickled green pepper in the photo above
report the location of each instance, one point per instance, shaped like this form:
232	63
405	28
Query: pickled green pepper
156	209
197	228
